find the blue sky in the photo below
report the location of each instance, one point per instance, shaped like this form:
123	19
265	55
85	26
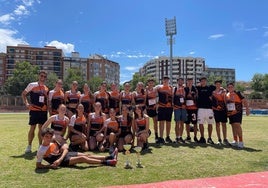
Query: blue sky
227	33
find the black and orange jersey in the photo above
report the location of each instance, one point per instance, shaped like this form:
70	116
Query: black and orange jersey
96	121
218	100
103	98
139	98
59	124
87	102
114	99
165	94
234	103
55	98
79	123
38	96
125	124
49	153
111	126
126	98
179	98
72	98
140	124
190	97
151	98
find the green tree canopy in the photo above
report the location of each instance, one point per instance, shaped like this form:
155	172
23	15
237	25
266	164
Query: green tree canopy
51	80
23	74
257	82
73	75
94	83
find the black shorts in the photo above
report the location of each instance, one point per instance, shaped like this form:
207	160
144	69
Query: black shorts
37	117
164	114
220	116
236	118
191	117
151	113
66	160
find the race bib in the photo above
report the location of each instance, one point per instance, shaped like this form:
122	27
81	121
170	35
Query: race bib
189	102
152	102
231	106
181	100
41	99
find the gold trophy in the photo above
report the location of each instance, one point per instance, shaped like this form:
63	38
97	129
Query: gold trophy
138	151
127	147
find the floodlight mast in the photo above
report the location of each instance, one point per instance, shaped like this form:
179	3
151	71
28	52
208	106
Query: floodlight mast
170	31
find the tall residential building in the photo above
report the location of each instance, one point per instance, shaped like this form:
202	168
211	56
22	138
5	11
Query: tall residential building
53	60
184	67
227	75
104	68
47	58
75	61
2	68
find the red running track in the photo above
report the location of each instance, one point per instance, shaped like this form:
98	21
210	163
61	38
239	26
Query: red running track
247	180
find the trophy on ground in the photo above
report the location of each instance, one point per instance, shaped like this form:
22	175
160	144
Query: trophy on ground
127	147
138	151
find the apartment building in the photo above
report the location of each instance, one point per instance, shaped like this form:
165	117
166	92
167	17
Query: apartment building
225	74
48	58
184	67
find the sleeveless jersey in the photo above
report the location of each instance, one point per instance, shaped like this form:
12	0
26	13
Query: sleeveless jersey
218	101
87	102
103	98
59	124
191	94
126	98
96	122
141	124
179	98
234	103
114	99
165	96
55	98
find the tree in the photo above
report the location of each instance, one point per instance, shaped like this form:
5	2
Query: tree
212	78
94	83
137	78
51	80
255	95
23	74
73	75
257	82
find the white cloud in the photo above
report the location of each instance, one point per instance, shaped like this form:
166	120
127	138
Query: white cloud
216	36
21	10
8	38
251	29
129	55
192	53
67	48
130	68
30	3
6	19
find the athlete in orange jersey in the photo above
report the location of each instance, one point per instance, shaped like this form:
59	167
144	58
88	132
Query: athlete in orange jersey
220	113
112	129
126	97
71	99
165	109
59	123
126	126
57	154
139	96
141	127
95	129
77	133
87	100
37	107
114	98
151	104
191	107
102	96
55	98
179	106
234	104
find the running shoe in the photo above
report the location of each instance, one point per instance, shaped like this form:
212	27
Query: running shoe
28	149
188	139
111	162
234	144
168	140
202	140
240	145
226	142
195	139
210	141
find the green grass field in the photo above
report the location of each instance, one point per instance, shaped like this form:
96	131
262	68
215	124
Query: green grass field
169	162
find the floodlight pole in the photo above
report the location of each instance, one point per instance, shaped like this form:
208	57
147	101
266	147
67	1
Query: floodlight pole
170	31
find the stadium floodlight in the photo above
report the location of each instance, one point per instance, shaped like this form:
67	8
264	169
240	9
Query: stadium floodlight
170	31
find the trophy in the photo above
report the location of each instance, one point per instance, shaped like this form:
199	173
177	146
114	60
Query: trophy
127	147
138	151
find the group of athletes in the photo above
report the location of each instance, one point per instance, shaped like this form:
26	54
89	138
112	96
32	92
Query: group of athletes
108	119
